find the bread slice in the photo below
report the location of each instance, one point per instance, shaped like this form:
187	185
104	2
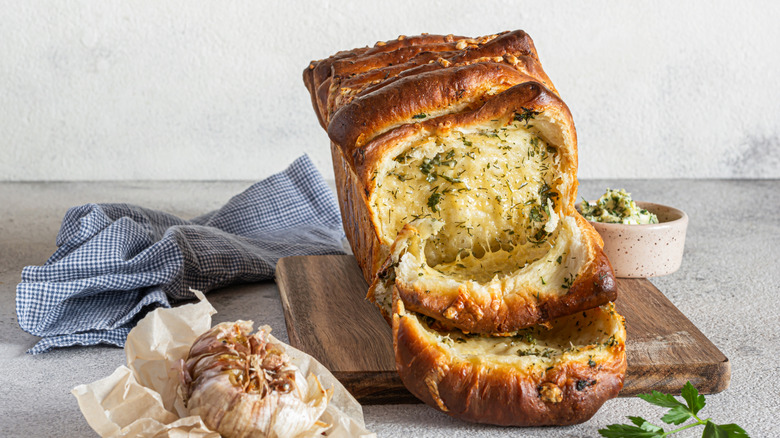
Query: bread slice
539	376
471	134
508	248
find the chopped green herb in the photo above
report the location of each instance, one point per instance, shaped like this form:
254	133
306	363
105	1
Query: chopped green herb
540	237
582	384
568	281
536	214
526	115
546	353
401	158
433	201
428	166
450	178
401	177
420	116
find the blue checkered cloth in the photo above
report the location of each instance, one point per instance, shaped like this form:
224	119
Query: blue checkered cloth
115	262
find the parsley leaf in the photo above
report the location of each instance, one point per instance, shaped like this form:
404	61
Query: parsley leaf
733	430
678	413
645	425
692	397
660	399
626	430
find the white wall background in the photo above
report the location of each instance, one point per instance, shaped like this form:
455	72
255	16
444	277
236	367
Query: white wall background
178	89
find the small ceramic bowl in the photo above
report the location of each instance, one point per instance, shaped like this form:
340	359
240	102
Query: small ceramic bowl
640	251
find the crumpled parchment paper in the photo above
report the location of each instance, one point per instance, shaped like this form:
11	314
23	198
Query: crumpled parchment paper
141	399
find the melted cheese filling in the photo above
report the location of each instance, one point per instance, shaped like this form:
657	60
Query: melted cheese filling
552	274
493	189
586	336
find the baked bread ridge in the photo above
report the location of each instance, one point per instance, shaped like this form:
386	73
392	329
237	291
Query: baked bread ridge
333	82
319	76
539	384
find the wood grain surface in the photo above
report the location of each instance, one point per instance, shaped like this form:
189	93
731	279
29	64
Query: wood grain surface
327	316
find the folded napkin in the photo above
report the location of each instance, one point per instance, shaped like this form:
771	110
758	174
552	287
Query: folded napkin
115	262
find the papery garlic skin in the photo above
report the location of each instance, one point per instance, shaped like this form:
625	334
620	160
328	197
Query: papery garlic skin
244	385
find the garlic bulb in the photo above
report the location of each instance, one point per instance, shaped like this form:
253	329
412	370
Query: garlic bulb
244	385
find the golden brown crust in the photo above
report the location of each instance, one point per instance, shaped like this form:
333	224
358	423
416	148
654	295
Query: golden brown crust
499	392
438	90
356	217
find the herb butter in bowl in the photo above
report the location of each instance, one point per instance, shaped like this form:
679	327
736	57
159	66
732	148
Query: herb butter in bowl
641	239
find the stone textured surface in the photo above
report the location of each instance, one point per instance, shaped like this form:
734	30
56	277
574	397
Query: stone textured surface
726	285
206	90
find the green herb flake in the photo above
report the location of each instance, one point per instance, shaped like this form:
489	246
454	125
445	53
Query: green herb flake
450	179
568	281
536	214
582	384
526	115
420	116
433	201
401	158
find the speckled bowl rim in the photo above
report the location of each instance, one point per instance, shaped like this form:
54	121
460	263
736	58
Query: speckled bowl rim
651	207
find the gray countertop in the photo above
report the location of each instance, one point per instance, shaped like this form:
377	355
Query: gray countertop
728	286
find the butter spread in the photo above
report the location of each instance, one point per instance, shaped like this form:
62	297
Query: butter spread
616	207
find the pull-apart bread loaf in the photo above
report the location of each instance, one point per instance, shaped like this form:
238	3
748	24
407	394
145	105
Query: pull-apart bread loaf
455	162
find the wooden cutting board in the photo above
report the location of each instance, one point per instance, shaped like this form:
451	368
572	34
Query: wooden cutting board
328	317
